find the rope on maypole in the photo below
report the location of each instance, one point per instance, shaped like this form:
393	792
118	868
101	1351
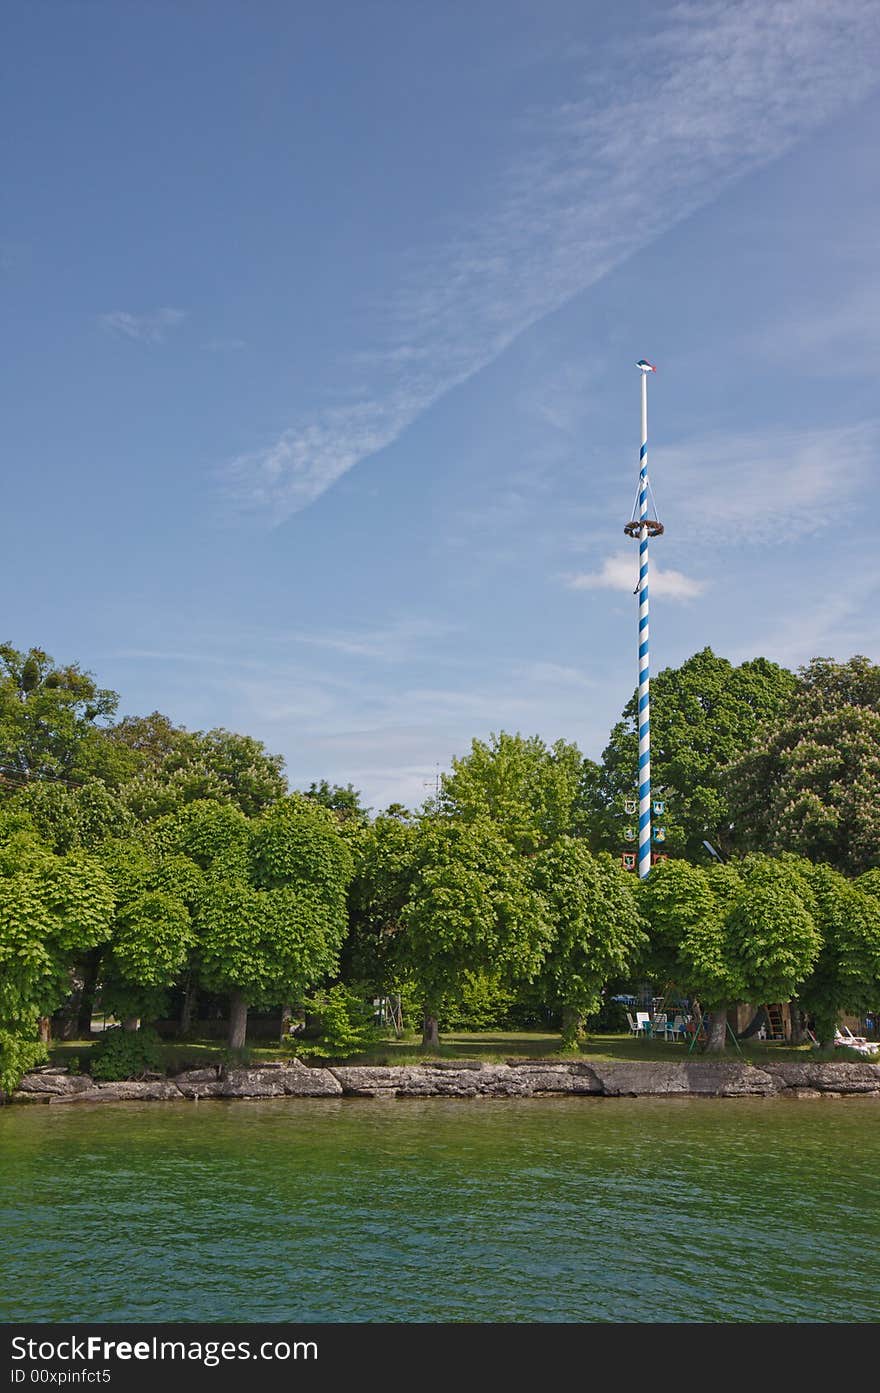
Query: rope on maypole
643	528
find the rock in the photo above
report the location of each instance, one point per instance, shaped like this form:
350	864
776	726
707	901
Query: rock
125	1091
484	1080
295	1080
199	1083
543	1078
825	1076
706	1078
470	1079
456	1064
54	1081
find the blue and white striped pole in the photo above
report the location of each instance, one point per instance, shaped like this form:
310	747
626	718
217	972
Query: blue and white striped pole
644	858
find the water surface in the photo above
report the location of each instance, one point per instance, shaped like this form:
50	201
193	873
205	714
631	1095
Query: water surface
556	1210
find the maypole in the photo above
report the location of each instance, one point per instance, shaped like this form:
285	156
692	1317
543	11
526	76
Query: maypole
643	528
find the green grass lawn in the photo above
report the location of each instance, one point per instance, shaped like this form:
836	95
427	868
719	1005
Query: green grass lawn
489	1046
499	1046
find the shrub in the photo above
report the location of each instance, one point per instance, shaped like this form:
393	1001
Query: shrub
483	1003
345	1023
610	1019
17	1055
125	1054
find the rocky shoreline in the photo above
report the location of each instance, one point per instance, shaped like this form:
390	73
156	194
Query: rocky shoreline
466	1079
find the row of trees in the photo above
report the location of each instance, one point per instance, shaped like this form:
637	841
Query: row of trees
136	856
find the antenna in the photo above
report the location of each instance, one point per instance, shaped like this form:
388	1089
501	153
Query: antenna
435	782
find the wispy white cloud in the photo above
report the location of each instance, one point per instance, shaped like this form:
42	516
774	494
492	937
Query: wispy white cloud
394	642
387	740
151	327
768	486
350	723
665	124
621	572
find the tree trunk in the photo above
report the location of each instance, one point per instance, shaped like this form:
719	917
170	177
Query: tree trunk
826	1029
131	1023
190	997
572	1027
717	1029
45	1029
91	968
430	1031
798	1033
286	1018
238	1013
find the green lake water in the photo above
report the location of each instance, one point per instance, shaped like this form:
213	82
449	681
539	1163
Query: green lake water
556	1210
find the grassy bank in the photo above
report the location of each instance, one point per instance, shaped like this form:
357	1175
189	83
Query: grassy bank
490	1047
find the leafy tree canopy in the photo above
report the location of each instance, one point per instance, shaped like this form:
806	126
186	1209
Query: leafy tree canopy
733	933
846	975
52	910
811	782
51	722
384	863
344	802
70	816
272	918
704	716
176	766
596	927
216	836
153	933
471	905
532	792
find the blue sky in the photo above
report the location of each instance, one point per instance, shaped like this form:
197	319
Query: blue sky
319	398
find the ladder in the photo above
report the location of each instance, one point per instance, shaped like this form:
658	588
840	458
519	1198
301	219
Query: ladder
775	1026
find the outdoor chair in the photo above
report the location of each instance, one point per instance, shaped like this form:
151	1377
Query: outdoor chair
844	1036
634	1026
643	1023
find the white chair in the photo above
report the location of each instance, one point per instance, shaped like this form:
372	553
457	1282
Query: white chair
634	1026
643	1023
844	1036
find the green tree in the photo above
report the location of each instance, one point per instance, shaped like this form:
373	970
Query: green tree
811	783
704	716
216	836
271	915
731	933
846	976
344	802
70	816
153	934
52	910
596	924
471	906
51	722
384	865
176	766
532	792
